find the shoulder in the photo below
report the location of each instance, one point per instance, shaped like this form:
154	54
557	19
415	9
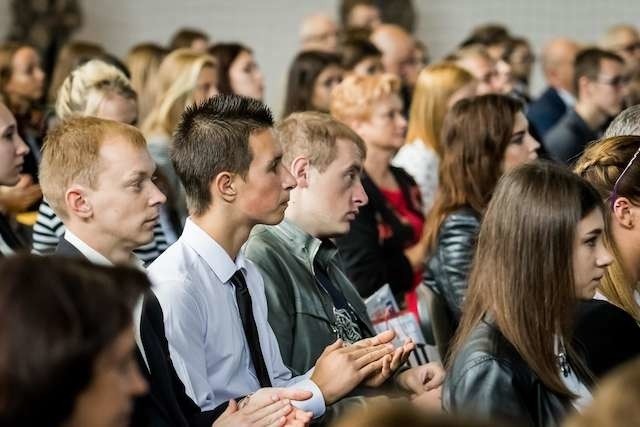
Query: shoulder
464	219
593	313
403	177
482	356
175	269
262	242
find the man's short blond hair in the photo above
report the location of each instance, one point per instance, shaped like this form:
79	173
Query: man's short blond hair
315	135
71	155
354	98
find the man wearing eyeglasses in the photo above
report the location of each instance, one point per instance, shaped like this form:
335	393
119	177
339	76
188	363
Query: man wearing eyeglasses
600	83
624	40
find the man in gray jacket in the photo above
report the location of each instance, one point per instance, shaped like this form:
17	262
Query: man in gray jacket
311	301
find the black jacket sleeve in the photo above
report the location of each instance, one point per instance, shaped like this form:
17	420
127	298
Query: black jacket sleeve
447	269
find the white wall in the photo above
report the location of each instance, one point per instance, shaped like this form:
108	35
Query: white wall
270	26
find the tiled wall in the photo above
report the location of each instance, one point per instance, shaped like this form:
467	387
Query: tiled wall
270	26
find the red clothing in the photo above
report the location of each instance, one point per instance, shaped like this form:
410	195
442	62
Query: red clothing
402	210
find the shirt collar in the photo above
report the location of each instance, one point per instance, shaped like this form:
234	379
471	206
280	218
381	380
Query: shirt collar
211	252
91	254
566	96
305	246
94	256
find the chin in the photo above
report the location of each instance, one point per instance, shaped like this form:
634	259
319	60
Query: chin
273	220
11	181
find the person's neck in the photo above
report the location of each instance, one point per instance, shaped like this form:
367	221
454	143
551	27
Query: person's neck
629	252
223	227
296	214
19	105
377	166
591	114
114	251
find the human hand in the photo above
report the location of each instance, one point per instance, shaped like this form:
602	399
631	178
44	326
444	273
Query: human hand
354	363
422	378
390	364
16	199
267	407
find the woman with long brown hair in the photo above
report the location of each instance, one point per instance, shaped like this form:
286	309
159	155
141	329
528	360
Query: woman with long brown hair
539	250
482	138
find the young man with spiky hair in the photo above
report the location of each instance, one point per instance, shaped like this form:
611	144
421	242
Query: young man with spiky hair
229	162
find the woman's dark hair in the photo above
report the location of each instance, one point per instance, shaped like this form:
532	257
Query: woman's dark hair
226	53
475	135
304	70
356	50
522	273
56	316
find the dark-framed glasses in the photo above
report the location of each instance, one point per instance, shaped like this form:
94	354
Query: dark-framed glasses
617	81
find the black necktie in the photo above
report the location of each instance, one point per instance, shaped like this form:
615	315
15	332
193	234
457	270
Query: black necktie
243	298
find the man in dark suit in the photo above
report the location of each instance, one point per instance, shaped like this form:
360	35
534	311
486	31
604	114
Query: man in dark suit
98	177
600	83
557	64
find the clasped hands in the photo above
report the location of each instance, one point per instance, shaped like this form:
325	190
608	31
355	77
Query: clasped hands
371	362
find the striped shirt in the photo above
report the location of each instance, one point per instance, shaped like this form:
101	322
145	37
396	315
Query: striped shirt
48	230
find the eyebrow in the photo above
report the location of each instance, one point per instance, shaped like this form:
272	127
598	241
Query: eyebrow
135	176
10	128
354	167
594	232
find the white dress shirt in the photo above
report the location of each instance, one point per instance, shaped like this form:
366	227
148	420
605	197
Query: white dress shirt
422	163
206	340
97	258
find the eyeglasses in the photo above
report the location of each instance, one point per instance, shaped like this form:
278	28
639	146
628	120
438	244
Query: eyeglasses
630	48
617	81
614	194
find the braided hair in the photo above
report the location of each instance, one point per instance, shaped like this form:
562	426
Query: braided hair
601	164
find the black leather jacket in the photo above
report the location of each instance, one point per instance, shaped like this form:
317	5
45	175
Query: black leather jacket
447	268
489	378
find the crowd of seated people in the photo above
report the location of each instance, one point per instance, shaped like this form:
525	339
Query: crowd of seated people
173	255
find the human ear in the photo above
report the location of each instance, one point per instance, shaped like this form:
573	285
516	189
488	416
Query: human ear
77	202
624	212
300	168
224	186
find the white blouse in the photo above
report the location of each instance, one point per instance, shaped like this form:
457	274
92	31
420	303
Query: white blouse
422	163
570	379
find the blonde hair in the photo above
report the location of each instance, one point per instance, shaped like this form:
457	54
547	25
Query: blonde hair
143	62
353	99
601	164
84	90
435	86
176	80
70	155
315	136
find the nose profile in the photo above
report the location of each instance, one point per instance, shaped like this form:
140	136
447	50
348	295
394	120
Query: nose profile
360	197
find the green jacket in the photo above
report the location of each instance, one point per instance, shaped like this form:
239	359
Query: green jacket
300	312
